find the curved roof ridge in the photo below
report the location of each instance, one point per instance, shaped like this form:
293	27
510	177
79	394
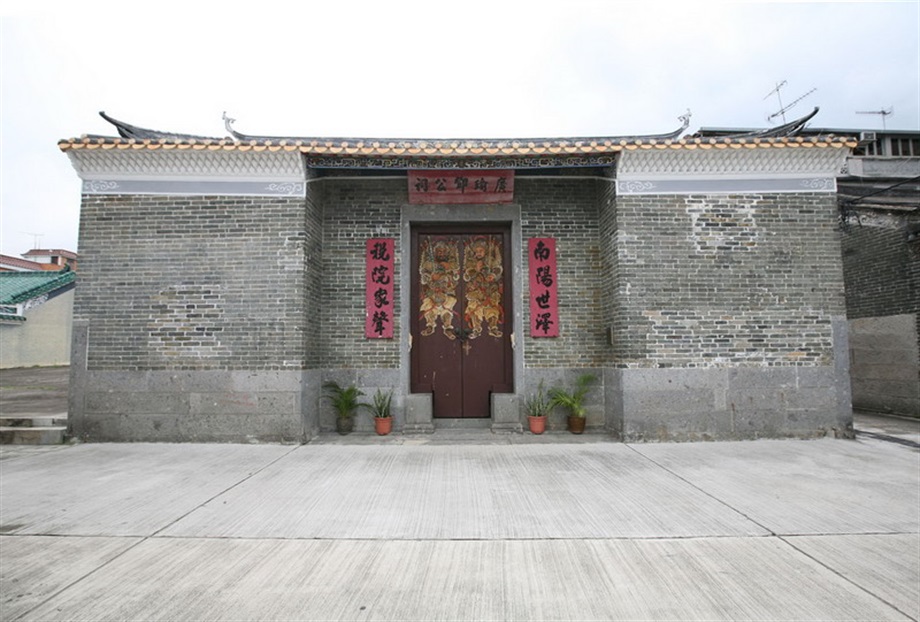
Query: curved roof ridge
780	131
126	130
684	118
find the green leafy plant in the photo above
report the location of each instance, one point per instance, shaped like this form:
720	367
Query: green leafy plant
343	399
381	407
572	400
538	404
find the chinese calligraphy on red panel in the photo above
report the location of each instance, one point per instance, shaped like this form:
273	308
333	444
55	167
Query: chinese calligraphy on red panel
544	307
456	187
379	302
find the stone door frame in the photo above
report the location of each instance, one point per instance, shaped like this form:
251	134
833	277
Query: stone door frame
505	406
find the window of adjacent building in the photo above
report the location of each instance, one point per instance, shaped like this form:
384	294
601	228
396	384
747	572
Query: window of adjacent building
868	149
905	146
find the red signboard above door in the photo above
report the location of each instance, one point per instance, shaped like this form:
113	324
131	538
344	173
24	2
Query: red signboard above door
457	187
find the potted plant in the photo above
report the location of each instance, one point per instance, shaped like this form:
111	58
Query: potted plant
345	402
538	406
573	401
380	409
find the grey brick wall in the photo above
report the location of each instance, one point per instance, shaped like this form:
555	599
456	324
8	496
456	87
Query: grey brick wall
882	269
191	319
353	211
313	280
708	281
192	283
568	210
220	317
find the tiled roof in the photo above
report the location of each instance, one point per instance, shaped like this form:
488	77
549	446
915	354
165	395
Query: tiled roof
19	264
450	148
17	287
437	148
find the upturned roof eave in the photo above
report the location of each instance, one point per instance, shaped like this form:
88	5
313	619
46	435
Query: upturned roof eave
132	137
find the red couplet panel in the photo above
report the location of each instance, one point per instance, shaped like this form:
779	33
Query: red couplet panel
459	187
544	304
379	302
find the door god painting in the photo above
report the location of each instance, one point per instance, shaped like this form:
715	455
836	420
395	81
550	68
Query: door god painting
482	275
439	273
468	268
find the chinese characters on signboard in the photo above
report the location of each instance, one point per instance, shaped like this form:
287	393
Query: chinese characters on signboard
456	187
544	307
379	302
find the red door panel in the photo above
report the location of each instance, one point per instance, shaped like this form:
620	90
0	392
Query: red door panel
461	350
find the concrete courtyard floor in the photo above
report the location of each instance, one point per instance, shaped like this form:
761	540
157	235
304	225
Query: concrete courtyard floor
462	525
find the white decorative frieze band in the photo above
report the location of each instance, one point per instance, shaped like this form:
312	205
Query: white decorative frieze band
195	187
189	172
725	186
730	170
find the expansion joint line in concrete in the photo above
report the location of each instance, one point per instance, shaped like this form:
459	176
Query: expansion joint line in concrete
25	616
705	492
143	539
784	540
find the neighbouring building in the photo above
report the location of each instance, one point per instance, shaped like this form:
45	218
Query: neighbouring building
39	259
880	207
53	258
224	280
36	309
8	263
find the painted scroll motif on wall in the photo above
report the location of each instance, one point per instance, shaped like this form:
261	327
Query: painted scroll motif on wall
544	302
380	288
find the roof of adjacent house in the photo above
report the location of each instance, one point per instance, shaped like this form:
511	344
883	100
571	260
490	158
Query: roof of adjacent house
136	138
17	264
19	287
47	252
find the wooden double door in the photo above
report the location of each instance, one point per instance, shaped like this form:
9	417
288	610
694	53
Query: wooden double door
461	317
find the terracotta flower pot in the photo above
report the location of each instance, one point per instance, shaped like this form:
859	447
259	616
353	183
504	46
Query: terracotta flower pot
383	425
537	424
576	424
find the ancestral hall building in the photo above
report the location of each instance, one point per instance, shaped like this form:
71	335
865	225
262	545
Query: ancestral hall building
223	280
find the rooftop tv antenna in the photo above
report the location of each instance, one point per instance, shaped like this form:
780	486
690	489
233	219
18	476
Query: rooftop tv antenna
36	238
782	109
882	112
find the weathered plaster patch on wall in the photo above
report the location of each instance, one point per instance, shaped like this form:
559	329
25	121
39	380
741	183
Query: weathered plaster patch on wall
718	226
291	255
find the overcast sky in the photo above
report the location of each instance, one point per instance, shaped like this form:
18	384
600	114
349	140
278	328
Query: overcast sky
533	68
